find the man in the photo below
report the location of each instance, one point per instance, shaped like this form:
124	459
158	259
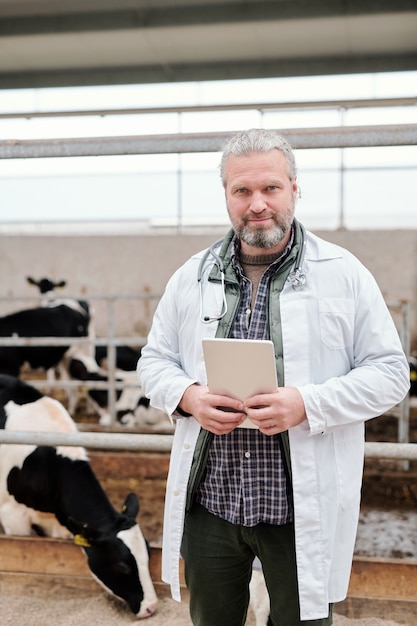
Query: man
287	491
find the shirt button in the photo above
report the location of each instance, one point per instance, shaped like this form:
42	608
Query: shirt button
186	446
176	492
247	455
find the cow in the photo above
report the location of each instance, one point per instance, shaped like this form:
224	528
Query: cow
61	320
47	287
132	407
54	492
126	357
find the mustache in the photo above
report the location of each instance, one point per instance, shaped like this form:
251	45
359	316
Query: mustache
263	215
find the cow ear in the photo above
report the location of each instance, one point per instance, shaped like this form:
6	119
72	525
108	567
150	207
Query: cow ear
83	535
62	283
131	506
81	541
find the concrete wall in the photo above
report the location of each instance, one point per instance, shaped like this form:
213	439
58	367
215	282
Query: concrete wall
140	264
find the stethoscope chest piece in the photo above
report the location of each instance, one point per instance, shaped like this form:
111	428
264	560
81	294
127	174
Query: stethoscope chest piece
297	279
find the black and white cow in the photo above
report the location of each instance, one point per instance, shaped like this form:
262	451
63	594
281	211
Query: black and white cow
126	357
61	320
47	288
55	492
132	407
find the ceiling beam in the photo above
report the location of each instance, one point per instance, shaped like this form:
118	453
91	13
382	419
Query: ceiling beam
189	15
268	68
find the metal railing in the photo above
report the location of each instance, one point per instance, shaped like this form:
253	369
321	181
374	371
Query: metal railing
105	441
401	310
163	443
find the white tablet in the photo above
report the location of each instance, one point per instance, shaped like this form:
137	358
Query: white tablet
240	368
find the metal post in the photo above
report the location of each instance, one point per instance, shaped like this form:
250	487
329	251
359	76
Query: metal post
111	360
342	223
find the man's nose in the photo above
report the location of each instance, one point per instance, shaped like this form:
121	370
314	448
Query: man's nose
258	203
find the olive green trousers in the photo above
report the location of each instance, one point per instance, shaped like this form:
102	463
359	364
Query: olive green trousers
218	560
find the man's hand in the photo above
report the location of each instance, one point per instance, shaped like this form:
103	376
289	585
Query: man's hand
276	412
218	414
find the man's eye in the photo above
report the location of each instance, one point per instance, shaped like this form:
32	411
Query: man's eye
241	190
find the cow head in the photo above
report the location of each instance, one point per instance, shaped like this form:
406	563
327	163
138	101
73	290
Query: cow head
118	558
46	285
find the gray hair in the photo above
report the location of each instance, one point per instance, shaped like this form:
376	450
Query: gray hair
257	140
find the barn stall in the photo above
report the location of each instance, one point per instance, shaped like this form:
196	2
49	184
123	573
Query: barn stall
144	471
145	251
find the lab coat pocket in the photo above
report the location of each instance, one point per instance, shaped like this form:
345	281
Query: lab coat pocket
349	451
336	322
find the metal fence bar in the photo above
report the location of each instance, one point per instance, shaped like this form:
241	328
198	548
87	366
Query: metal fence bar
63	341
62	300
111	360
163	443
107	441
385	450
45	341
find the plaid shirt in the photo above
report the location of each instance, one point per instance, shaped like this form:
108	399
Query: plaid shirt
245	480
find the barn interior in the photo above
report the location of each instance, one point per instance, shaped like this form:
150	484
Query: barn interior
116	264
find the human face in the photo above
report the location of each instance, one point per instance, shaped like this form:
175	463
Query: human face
260	199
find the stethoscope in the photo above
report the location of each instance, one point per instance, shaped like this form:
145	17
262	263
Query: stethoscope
206	319
296	277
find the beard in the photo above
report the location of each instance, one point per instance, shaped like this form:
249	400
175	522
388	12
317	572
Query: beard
262	237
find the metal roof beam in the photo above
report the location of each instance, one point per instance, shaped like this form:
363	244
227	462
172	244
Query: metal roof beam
190	14
336	137
268	68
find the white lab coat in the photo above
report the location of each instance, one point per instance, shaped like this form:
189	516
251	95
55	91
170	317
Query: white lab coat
342	351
